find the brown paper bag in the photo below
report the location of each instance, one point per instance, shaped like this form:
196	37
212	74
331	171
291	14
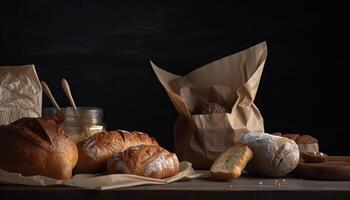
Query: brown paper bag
20	93
231	82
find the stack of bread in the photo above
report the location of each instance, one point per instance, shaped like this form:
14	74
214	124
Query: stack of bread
39	146
125	152
308	147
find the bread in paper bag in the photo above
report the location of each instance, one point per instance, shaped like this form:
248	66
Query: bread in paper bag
232	83
20	93
273	155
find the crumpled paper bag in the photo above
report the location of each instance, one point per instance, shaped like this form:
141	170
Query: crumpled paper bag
231	82
100	181
20	93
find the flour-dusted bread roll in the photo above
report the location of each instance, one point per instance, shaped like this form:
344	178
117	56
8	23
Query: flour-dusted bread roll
231	162
273	155
144	160
33	146
95	150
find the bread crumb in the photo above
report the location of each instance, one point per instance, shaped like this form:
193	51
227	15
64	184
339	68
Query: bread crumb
277	183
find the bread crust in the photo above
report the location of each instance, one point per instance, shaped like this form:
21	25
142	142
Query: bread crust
95	150
313	157
306	139
291	136
238	165
33	146
144	160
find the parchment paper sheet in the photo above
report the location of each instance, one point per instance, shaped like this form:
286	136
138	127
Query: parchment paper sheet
100	181
20	93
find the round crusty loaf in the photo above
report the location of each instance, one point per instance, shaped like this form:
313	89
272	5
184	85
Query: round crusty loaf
273	155
96	149
144	160
32	146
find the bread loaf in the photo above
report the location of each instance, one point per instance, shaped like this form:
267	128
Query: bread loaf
307	143
144	160
231	162
273	155
95	150
33	146
208	108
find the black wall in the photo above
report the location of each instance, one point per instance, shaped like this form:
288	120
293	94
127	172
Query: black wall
103	48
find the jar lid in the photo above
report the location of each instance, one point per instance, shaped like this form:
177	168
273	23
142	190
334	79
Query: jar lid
94	111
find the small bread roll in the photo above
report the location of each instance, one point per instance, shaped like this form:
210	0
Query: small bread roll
144	160
306	139
307	143
230	163
273	155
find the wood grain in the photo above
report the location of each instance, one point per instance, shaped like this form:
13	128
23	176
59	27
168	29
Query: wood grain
242	188
334	168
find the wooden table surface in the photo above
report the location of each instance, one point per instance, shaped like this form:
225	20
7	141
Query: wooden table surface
242	188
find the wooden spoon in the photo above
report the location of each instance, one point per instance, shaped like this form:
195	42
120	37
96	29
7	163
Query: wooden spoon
66	89
47	91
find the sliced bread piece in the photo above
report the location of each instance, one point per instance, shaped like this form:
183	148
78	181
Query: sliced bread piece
230	163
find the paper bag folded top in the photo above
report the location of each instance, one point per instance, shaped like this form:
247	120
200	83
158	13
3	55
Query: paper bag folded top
20	93
231	82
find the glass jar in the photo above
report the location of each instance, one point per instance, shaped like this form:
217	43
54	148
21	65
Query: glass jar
83	122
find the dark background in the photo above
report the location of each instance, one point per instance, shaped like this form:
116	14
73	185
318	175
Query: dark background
103	48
